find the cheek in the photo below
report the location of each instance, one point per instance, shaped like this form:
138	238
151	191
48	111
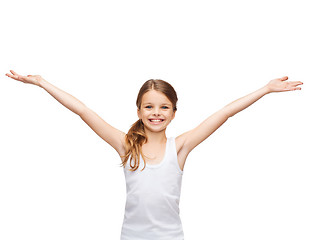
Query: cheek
144	114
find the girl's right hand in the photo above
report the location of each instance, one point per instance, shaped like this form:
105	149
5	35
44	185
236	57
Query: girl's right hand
32	79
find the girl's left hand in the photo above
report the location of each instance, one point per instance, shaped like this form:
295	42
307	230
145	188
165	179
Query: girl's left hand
279	85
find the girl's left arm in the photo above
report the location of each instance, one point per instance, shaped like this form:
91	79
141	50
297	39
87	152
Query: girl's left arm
189	140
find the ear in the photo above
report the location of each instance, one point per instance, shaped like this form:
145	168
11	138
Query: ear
173	116
139	113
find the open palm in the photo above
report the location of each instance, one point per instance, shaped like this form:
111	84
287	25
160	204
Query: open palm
31	79
280	85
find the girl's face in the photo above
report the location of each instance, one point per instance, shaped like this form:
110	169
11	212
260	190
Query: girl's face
156	111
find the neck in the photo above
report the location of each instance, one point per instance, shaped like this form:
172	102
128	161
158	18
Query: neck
156	137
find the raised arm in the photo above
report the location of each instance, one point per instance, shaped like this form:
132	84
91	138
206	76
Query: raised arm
189	140
111	135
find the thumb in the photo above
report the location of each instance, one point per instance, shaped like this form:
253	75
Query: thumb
284	78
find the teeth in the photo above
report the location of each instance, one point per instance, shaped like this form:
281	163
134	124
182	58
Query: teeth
155	120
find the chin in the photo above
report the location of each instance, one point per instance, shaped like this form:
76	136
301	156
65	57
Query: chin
155	129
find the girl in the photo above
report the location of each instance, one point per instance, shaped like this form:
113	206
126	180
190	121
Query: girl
153	165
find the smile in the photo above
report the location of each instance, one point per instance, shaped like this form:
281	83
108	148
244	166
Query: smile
156	121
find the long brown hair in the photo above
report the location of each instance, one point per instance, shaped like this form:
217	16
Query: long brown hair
136	135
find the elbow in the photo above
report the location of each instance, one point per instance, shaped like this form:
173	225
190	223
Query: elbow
230	115
82	111
227	112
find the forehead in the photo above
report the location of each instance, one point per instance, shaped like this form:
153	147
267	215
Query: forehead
155	97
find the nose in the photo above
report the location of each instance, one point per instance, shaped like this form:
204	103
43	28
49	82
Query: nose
156	111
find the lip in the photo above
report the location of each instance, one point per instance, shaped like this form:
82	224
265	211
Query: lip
156	123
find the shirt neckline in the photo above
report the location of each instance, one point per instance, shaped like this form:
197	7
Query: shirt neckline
163	160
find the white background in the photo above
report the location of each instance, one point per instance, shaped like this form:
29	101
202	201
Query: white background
249	180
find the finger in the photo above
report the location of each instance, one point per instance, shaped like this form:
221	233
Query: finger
10	75
300	83
284	78
294	84
14	73
16	77
294	88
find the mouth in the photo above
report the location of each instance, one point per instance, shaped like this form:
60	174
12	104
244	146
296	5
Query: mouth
156	120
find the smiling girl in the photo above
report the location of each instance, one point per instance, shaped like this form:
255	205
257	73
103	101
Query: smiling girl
153	164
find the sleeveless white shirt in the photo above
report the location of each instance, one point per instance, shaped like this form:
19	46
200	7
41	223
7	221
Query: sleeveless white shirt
153	195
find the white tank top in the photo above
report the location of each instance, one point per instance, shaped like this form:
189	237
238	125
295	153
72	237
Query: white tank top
153	195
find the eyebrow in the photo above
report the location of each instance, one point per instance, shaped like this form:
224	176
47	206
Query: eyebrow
169	104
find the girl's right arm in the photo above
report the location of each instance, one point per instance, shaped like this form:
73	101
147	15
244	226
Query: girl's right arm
111	135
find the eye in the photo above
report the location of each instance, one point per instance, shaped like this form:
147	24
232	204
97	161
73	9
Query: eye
148	106
165	107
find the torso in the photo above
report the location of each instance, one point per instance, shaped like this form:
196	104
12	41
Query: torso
153	154
156	153
152	202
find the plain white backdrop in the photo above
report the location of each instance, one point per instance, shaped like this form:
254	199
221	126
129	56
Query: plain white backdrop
249	180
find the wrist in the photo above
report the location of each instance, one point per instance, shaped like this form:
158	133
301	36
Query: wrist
41	82
266	89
